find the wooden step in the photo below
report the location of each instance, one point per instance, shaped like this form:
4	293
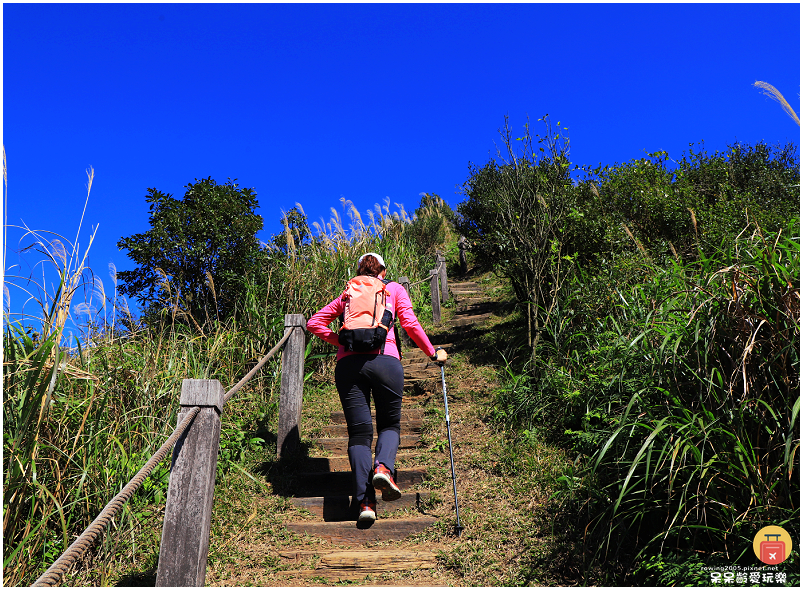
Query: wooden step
469	320
350	565
416	367
406	427
337	508
410	413
421	366
474	309
404	459
340	483
427	373
464	284
348	533
469	301
339	444
418	352
370	577
364	558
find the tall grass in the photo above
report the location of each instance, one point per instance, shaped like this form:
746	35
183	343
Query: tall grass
309	271
679	387
706	454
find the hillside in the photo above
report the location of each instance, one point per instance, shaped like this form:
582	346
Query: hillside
262	535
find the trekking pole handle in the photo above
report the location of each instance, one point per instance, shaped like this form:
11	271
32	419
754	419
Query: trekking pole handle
437	358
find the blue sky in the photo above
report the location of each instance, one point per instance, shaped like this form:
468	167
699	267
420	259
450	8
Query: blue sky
312	102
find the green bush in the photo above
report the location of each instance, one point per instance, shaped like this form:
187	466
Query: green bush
514	216
684	391
431	227
667	209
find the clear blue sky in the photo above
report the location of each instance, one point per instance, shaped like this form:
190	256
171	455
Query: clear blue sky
312	102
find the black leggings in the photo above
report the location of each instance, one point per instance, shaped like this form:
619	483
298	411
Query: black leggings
358	377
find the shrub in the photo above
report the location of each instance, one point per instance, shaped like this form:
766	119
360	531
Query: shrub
667	209
513	216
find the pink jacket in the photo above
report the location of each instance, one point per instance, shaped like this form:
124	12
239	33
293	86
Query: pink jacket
400	306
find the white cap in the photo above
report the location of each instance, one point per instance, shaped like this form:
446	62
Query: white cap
377	257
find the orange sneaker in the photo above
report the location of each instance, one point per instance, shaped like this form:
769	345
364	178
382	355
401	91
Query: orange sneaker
367	511
382	480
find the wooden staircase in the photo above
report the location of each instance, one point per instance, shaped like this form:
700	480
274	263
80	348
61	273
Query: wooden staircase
323	485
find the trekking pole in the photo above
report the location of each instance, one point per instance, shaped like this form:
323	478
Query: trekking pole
459	528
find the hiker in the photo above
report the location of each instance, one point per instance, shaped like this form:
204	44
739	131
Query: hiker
368	364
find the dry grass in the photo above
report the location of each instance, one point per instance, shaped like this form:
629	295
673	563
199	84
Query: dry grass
772	92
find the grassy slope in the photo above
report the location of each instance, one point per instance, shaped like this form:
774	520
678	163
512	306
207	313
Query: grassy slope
504	489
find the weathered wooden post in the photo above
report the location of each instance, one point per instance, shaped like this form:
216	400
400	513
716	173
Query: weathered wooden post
462	255
183	554
406	339
292	373
442	262
437	311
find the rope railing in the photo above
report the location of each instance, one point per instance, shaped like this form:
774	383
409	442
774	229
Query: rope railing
255	369
87	538
435	269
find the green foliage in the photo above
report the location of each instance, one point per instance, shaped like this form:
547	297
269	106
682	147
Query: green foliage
297	233
684	389
667	209
674	570
194	259
432	225
744	184
669	353
515	214
709	448
514	204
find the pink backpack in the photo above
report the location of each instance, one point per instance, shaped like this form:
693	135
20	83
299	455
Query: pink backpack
366	319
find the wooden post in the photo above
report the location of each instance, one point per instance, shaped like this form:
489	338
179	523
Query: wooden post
406	285
437	311
462	255
440	260
183	554
292	373
407	342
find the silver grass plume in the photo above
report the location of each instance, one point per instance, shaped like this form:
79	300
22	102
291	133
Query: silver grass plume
112	272
772	92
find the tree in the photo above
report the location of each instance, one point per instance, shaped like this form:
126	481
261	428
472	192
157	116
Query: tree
514	216
194	259
295	235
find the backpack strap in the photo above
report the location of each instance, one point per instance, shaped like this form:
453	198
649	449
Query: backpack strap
398	341
394	327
